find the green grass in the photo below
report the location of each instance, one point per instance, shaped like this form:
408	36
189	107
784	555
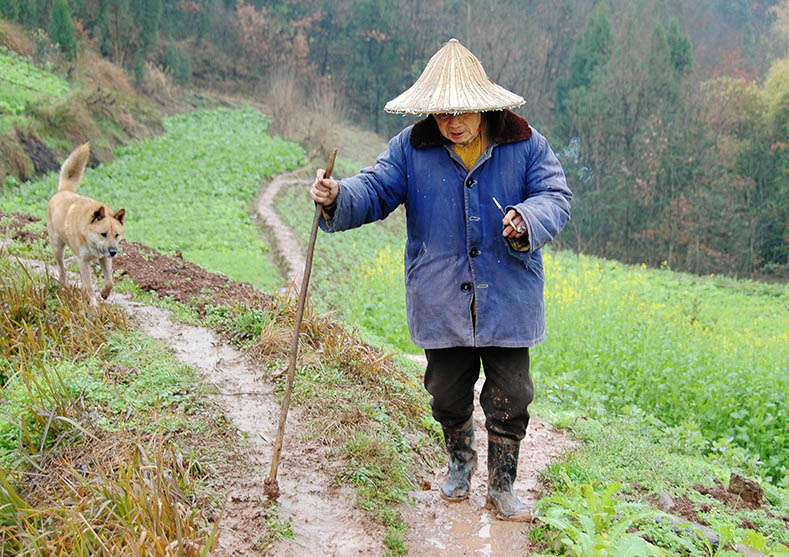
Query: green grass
22	83
135	379
190	189
121	438
703	354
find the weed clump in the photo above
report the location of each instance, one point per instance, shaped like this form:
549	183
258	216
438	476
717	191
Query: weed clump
41	320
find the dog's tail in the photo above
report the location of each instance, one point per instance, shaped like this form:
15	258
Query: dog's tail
72	170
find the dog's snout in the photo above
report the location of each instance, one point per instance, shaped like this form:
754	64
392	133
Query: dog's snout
113	252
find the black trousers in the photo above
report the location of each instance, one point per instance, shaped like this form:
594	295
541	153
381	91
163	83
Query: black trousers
450	377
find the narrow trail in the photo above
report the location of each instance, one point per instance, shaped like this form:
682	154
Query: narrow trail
288	246
438	528
323	518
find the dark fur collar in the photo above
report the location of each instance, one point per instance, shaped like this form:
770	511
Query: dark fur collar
503	125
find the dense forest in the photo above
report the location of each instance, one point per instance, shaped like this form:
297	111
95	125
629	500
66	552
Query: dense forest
671	117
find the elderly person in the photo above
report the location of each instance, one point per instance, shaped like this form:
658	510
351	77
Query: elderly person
473	271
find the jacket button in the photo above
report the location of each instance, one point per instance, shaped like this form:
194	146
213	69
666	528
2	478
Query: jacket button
470	182
473	252
465	287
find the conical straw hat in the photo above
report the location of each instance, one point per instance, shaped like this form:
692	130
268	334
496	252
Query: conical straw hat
453	82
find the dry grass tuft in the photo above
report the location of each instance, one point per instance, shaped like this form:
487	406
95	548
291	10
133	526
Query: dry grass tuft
285	99
70	487
134	502
328	113
274	340
308	117
104	73
322	342
13	36
70	119
157	83
16	161
39	316
132	127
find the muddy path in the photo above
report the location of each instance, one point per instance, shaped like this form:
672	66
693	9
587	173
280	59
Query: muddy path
435	526
323	518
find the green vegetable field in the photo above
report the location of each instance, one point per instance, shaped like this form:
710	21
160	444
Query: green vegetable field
21	82
190	190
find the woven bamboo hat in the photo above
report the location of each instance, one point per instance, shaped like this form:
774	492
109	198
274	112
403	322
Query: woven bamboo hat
453	82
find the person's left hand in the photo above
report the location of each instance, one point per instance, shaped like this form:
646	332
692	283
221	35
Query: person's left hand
517	220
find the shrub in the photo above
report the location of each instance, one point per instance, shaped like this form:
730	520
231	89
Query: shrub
9	9
179	63
61	29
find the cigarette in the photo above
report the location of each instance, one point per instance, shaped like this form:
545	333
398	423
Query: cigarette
517	229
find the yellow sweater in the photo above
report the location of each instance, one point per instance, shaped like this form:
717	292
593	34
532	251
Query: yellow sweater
471	152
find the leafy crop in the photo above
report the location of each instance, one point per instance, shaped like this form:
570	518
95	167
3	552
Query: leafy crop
22	82
593	522
707	354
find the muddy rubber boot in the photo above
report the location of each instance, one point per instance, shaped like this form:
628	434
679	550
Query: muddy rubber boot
502	469
462	461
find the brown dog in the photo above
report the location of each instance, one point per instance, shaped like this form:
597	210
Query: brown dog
89	228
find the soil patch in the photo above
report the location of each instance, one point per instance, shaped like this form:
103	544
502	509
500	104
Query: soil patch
181	280
13	225
742	493
681	506
42	157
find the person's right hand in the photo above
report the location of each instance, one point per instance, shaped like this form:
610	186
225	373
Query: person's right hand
324	190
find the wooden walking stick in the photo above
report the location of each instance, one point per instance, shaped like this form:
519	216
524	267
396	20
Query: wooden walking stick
270	485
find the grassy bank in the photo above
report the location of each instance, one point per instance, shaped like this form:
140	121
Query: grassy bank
48	105
106	443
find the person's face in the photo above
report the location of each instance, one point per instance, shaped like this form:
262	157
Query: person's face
459	128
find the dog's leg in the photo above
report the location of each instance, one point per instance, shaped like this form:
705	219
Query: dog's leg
106	266
59	249
87	284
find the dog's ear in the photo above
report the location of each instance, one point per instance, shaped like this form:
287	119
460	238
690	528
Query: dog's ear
120	216
98	214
